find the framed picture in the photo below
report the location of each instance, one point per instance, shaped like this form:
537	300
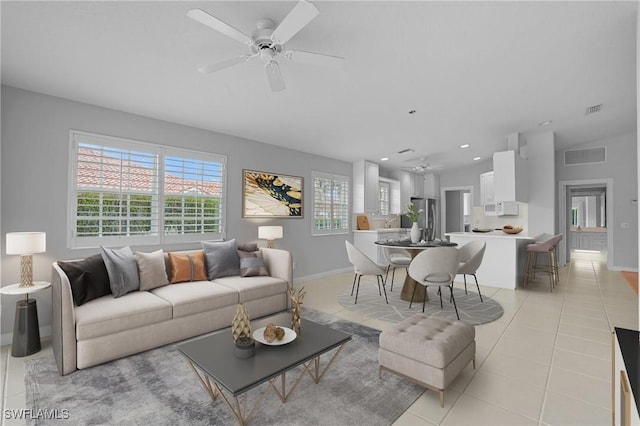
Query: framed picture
271	195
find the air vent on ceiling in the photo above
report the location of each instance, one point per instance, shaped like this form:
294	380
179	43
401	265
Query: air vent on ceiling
406	151
593	109
585	156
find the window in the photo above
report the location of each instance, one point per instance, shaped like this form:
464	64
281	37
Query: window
330	204
129	192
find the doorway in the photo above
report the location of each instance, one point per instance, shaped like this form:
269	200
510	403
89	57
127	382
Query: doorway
585	213
456	209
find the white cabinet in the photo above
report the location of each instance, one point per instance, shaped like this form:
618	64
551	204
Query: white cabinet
365	241
365	187
487	194
625	385
588	240
510	177
405	180
431	186
417	185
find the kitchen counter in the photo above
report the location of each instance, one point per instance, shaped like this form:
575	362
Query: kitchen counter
383	230
495	234
504	259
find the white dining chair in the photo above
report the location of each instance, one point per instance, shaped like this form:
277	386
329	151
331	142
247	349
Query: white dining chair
436	266
471	255
397	258
362	265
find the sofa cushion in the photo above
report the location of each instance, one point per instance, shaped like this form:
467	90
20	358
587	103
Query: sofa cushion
251	264
222	258
187	267
88	278
122	269
151	269
109	315
252	288
196	297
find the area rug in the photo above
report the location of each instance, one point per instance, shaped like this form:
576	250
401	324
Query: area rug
158	387
372	305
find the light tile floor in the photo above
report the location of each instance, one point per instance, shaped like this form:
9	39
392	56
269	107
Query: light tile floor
547	361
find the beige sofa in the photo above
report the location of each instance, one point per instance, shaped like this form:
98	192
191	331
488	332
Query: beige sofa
108	328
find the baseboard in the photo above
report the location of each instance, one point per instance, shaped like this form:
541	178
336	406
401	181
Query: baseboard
7	338
623	268
322	274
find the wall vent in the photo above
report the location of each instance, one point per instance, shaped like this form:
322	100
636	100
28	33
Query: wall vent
593	109
585	156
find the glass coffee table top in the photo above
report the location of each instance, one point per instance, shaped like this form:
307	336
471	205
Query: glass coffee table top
213	354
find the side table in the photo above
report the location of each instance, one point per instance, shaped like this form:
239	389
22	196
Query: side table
26	330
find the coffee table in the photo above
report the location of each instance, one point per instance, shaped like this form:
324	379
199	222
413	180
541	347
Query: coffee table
217	368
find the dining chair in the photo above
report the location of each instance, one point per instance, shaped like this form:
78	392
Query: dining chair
363	265
397	258
471	255
436	266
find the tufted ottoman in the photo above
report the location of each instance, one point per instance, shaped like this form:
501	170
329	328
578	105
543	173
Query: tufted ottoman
428	351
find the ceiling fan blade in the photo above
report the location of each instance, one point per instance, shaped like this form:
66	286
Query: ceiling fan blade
274	76
301	14
207	69
314	58
216	24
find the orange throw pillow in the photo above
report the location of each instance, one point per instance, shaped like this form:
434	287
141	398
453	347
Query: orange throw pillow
187	267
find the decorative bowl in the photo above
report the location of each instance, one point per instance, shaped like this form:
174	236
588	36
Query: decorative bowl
512	230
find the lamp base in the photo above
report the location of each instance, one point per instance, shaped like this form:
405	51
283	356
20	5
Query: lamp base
270	244
26	270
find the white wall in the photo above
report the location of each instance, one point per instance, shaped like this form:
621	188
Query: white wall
34	173
622	167
542	183
467	176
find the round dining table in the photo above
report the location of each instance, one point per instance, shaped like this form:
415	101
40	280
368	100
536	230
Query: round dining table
413	249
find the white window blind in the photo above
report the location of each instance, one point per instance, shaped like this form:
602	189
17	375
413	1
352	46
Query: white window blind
330	204
126	192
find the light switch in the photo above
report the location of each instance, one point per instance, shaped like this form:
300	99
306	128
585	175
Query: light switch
624	225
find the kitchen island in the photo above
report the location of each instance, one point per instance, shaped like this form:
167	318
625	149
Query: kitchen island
504	259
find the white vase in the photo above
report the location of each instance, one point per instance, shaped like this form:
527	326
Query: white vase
415	233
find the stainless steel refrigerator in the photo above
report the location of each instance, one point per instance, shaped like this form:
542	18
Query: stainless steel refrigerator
427	220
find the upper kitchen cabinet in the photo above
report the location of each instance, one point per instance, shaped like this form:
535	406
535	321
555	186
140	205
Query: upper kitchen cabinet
417	186
509	177
431	186
487	192
365	187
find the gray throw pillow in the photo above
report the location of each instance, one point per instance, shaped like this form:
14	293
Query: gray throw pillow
152	270
222	258
251	264
122	269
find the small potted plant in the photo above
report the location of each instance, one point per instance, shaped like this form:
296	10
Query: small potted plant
414	214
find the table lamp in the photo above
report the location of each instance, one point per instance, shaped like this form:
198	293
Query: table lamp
26	244
270	233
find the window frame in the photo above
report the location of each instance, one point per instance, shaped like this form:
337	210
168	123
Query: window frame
77	137
333	177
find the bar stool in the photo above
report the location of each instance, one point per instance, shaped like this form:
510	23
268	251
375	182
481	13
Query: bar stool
547	246
556	270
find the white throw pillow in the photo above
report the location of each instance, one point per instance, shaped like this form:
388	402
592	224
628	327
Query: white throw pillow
152	270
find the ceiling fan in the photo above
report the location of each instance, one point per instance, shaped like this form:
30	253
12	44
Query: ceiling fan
421	165
267	42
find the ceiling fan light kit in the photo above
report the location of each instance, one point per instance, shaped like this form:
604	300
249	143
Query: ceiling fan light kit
268	42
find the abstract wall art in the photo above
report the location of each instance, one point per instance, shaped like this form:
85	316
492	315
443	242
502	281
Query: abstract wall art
271	195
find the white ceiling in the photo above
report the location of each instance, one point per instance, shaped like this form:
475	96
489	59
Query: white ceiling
473	71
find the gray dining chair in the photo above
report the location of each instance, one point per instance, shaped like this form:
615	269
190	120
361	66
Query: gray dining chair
471	255
436	266
397	258
362	265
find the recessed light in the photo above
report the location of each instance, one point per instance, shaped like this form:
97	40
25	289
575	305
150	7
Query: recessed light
476	158
413	111
466	145
545	123
384	159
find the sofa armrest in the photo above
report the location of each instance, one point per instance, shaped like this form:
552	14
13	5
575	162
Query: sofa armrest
63	321
279	264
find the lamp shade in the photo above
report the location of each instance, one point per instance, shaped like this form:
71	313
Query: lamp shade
26	242
270	232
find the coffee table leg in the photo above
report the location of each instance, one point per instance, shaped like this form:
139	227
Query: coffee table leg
317	375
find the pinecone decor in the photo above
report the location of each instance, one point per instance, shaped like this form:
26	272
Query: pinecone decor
241	324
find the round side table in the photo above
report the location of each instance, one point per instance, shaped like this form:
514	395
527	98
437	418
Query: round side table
26	331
